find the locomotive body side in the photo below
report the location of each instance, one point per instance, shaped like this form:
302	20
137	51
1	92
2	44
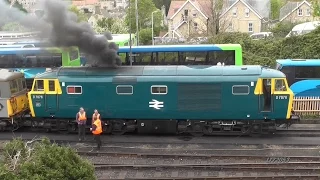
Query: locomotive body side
164	97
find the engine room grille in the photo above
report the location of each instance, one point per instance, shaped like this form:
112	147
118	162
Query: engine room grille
199	97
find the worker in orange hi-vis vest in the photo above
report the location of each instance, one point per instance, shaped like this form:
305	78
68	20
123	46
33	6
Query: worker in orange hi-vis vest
95	116
97	131
81	120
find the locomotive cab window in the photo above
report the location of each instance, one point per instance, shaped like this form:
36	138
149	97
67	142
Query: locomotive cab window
124	89
280	85
52	86
74	89
39	85
240	90
159	89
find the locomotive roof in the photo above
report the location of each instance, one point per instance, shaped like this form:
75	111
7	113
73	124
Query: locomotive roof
8	75
249	70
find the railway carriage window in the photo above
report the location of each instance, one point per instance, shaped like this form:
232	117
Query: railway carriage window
159	89
142	58
39	85
226	57
6	61
165	58
13	86
240	90
52	86
74	89
124	89
195	57
305	72
280	85
74	55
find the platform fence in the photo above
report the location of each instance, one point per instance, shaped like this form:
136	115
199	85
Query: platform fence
307	105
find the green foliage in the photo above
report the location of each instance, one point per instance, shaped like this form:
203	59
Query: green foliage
145	9
315	8
145	36
82	17
13	26
113	25
43	160
275	9
265	52
282	29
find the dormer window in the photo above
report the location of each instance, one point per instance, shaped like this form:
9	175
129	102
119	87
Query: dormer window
247	12
234	12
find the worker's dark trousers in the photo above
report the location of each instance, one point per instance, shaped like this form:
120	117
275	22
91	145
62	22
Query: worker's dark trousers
97	138
82	131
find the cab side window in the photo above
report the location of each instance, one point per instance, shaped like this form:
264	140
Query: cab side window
280	85
39	85
52	86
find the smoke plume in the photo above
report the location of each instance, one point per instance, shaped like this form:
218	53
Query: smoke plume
61	28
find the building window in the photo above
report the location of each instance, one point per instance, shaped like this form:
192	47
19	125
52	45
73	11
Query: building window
74	89
234	12
240	90
124	89
300	13
247	12
308	13
159	89
250	27
194	13
195	25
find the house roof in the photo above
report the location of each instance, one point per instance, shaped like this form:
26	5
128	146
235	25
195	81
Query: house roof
246	4
289	8
176	4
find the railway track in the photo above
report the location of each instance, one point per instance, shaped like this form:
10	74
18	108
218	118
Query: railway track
266	167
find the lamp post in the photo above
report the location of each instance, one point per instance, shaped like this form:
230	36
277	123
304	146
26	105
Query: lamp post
137	21
130	43
152	27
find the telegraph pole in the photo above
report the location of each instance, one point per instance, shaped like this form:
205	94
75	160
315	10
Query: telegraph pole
137	22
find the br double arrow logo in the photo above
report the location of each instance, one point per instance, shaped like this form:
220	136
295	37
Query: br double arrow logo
1	106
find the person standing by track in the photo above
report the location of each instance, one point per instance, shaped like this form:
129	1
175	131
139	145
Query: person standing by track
96	128
81	120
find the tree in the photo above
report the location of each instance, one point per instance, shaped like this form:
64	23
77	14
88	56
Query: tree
275	9
43	160
216	24
81	16
160	3
315	8
17	5
282	29
145	9
13	26
114	25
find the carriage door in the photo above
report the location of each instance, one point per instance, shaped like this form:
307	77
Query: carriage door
265	98
51	96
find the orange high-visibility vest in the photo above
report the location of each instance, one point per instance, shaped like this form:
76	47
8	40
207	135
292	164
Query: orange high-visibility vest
82	117
98	127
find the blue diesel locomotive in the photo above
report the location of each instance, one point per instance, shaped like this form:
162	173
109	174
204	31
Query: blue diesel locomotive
165	99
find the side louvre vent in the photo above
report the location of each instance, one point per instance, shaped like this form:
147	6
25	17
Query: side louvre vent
199	97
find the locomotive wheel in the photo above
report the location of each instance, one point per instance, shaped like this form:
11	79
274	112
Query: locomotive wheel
118	128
